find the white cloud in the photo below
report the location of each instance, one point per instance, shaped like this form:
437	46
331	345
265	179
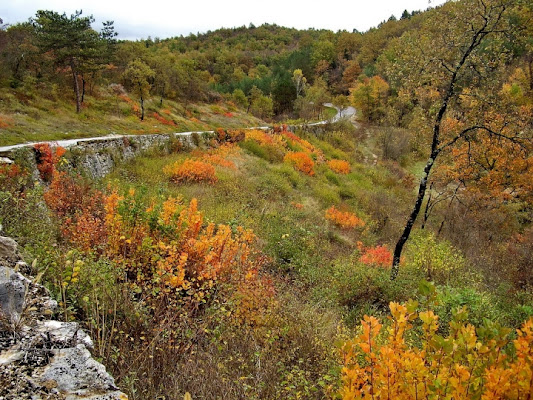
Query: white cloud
137	19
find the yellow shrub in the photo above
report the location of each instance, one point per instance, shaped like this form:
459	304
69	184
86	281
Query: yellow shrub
464	365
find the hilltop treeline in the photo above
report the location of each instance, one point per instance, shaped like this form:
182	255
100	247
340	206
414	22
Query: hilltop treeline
253	66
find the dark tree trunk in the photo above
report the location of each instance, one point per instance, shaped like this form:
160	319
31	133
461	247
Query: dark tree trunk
435	149
142	102
76	86
82	89
412	218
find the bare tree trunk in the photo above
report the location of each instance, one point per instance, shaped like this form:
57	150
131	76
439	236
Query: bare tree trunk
76	86
412	218
82	89
435	148
142	102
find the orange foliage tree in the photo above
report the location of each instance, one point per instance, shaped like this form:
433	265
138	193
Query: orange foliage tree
343	219
467	364
469	105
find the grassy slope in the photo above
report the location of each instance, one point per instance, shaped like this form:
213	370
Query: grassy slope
260	195
30	118
322	286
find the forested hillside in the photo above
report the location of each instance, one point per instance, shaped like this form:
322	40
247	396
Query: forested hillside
270	72
387	256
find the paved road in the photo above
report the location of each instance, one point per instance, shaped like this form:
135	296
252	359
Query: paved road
345	113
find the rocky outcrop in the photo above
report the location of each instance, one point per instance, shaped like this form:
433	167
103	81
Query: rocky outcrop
42	358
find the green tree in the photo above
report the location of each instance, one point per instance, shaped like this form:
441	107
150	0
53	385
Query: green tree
72	42
138	76
300	81
261	106
239	98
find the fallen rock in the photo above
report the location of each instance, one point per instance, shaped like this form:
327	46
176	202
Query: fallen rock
64	334
8	248
75	372
13	288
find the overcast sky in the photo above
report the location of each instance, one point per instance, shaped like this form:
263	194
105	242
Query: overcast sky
137	19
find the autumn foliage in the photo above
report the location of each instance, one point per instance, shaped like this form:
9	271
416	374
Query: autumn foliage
380	256
343	219
169	246
163	120
339	166
265	138
47	159
191	171
301	162
467	364
80	210
8	171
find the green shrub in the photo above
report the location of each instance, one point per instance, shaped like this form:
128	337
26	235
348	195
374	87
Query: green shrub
327	194
288	172
270	153
439	261
332	178
363	289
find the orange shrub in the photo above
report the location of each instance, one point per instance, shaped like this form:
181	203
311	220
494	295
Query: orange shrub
217	159
163	120
297	144
379	255
463	365
13	180
339	166
343	219
301	162
125	98
191	171
9	171
5	122
80	209
169	244
291	137
47	159
296	205
265	138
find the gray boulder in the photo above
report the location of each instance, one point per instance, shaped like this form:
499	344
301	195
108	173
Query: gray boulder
8	248
13	288
74	371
